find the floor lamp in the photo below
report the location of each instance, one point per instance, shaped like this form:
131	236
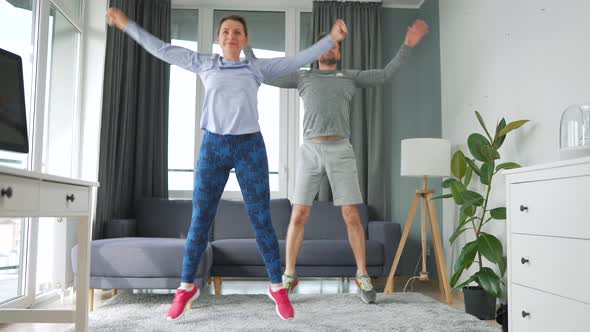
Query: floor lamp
424	158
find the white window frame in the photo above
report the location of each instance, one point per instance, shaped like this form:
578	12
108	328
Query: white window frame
289	105
40	28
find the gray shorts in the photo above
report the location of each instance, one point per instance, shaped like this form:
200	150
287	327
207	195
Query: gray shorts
334	159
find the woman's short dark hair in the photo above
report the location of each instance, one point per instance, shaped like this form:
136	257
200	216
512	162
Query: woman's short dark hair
233	18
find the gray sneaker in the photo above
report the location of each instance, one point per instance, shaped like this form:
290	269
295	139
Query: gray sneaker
368	293
290	281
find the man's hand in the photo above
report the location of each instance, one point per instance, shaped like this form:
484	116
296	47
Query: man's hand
115	17
416	32
339	31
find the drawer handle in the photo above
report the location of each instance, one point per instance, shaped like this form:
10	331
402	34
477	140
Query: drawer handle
525	314
6	192
70	198
524	260
524	208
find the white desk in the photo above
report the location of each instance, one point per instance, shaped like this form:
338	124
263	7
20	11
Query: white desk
30	194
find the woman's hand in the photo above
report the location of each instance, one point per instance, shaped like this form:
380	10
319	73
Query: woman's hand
115	17
339	31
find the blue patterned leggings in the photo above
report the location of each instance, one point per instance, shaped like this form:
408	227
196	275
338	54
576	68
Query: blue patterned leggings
219	154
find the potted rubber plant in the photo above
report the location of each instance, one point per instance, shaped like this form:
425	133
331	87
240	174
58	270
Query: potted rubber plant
482	288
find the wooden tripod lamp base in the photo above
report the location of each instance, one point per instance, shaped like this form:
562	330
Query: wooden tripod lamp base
424	156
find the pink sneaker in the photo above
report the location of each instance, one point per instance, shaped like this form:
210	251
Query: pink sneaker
283	304
181	301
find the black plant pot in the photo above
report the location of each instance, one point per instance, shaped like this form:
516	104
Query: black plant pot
479	303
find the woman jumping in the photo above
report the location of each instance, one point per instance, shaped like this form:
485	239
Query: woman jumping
232	139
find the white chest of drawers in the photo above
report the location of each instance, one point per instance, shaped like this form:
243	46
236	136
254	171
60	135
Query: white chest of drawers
548	246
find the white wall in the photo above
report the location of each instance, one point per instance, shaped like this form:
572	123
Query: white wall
519	59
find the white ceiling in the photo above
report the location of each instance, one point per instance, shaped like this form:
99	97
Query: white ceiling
402	3
276	4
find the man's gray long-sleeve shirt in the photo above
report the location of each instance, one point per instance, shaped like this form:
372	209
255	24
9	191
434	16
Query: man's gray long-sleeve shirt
327	94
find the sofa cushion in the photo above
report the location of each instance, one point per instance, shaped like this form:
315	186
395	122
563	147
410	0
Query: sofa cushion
313	252
240	252
326	222
337	253
232	222
157	217
140	257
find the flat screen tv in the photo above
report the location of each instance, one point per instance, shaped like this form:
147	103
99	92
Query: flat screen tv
13	114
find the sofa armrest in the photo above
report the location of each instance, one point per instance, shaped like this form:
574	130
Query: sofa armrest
116	228
389	234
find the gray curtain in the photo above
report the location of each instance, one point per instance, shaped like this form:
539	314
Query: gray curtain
360	50
134	129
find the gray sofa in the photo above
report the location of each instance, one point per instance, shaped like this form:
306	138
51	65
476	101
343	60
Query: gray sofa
147	252
325	251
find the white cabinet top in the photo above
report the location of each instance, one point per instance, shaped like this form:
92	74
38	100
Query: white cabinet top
554	170
45	177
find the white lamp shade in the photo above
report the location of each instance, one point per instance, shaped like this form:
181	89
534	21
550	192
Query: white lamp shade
426	157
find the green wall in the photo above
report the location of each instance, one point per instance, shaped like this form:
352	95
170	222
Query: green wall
412	106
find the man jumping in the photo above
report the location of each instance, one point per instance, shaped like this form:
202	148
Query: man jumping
326	150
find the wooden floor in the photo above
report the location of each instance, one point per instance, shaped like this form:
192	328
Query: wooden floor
236	286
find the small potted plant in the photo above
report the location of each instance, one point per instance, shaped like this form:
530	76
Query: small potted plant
475	213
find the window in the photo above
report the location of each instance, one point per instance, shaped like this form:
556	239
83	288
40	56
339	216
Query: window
17	17
46	34
267	38
59	152
12	257
61	99
182	105
72	8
